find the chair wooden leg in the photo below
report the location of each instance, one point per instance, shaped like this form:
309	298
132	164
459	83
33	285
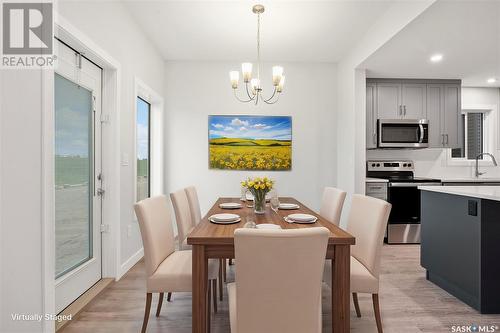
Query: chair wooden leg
224	269
209	306
376	309
214	294
356	304
222	262
160	302
169	297
149	297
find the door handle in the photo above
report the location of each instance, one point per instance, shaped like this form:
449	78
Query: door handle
421	133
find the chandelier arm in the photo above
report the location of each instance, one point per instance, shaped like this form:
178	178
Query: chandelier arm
248	93
270	98
273	102
239	99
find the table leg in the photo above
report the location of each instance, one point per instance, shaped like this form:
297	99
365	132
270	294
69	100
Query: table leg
200	290
341	276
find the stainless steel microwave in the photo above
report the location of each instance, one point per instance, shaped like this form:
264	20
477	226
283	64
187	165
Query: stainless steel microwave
403	133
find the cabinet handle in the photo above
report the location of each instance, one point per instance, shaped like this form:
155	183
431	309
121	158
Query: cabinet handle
442	139
404	110
375	138
400	110
447	139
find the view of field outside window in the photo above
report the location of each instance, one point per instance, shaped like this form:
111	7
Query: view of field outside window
73	174
143	148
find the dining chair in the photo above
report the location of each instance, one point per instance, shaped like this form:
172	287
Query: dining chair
167	270
331	204
271	265
195	210
367	222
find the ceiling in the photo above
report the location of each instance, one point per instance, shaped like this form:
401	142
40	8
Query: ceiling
466	33
302	31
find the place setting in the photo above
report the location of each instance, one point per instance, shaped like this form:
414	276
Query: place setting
301	218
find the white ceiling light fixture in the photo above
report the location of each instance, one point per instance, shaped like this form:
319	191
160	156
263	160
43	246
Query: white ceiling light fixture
255	91
492	80
437	58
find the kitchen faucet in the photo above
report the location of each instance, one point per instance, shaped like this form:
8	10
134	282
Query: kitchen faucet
477	163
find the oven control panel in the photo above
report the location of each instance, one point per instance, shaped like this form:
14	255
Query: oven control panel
381	165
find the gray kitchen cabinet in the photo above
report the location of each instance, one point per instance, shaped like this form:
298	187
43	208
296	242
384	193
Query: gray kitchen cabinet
388	101
413	99
444	115
371	117
452	116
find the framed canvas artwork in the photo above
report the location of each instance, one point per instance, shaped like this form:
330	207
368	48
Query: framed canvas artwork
250	142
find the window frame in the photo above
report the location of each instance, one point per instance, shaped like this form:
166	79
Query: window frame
156	129
490	135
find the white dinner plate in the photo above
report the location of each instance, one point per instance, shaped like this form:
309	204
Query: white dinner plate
268	226
224	217
302	217
224	222
287	206
230	205
289	220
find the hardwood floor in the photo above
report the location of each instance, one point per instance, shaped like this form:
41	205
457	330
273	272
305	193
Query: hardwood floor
409	303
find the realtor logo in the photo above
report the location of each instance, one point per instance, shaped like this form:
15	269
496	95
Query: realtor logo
27	28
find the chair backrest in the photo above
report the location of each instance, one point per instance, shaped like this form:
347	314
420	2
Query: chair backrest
331	204
182	214
278	279
194	204
367	222
157	233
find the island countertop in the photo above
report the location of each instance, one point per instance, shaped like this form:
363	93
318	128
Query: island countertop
480	192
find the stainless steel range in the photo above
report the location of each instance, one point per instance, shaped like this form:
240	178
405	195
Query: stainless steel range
403	194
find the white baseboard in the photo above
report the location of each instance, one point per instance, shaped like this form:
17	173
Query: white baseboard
124	268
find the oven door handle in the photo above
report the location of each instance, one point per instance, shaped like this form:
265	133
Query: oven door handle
413	184
421	140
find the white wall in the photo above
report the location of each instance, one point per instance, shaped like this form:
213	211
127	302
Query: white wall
110	25
195	90
435	162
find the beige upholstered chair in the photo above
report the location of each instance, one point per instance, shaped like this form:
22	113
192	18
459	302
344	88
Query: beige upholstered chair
272	265
167	270
367	222
194	204
331	204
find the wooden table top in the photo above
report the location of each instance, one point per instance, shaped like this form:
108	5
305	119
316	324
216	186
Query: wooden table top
208	233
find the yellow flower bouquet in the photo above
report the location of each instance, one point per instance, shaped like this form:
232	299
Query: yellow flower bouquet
259	187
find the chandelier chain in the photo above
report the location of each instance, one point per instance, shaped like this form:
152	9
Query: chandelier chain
258	46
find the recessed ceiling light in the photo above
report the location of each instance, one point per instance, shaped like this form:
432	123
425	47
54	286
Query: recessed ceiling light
492	80
437	58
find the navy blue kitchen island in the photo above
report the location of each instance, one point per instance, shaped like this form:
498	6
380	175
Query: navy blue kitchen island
460	242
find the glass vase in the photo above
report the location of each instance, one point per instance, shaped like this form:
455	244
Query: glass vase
259	202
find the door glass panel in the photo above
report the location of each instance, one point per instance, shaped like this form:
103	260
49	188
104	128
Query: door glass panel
143	148
73	175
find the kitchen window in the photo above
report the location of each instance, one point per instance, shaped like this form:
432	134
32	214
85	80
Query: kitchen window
473	138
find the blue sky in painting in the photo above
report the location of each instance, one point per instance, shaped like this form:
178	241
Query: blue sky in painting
250	127
143	109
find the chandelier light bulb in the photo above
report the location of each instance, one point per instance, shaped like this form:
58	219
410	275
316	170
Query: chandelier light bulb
277	74
255	83
246	69
234	76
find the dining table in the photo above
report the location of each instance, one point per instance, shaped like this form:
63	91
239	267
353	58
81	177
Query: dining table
210	240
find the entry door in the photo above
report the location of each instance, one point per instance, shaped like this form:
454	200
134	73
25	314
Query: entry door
77	84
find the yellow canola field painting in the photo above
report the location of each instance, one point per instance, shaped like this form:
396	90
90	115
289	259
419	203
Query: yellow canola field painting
250	143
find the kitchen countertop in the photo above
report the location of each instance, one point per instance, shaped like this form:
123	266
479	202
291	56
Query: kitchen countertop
376	180
481	192
471	180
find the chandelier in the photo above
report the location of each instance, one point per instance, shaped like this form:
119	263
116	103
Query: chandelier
254	92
